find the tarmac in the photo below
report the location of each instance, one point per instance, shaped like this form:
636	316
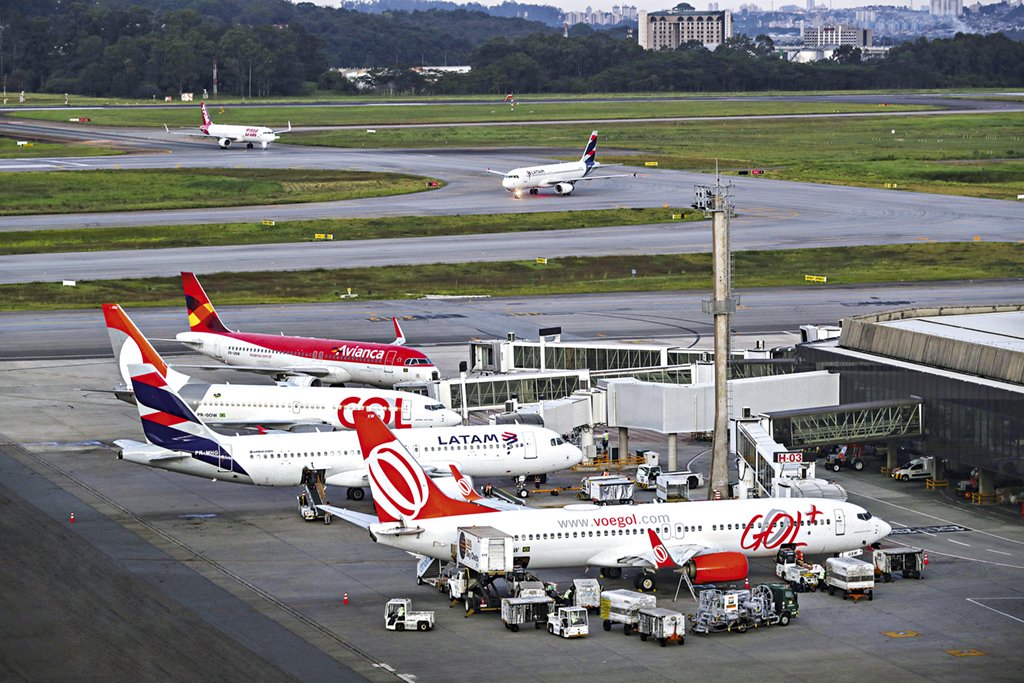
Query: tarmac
166	577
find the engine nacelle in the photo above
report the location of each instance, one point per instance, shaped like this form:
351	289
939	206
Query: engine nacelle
717	568
564	188
300	381
224	143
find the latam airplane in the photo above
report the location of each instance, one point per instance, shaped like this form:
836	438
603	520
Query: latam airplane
283	406
710	539
304	361
561	177
179	441
228	135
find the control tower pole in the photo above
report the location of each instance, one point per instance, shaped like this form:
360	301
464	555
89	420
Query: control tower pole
714	200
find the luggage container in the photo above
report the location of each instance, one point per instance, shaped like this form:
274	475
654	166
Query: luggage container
622	607
586	593
484	549
908	561
856	578
606	489
661	624
518	611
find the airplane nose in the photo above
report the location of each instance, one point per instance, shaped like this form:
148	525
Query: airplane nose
884	529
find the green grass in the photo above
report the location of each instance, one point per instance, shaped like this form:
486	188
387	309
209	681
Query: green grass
131	190
442	112
9	149
161	237
783	268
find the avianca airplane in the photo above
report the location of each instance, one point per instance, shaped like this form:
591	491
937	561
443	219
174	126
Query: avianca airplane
180	442
227	135
711	539
561	177
283	406
306	361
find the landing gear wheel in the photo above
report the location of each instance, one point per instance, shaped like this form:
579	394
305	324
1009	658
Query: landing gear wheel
612	572
248	145
523	493
644	583
357	493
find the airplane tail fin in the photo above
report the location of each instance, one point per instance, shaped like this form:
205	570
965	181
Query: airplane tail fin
402	491
167	421
399	334
201	315
590	153
207	121
465	488
662	558
131	347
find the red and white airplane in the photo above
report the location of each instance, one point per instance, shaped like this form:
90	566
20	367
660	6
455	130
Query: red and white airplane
561	177
306	361
179	441
711	539
280	406
227	135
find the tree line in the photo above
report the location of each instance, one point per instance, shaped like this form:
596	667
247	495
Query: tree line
153	48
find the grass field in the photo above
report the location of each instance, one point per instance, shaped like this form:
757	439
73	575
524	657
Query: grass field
131	190
219	234
10	149
786	268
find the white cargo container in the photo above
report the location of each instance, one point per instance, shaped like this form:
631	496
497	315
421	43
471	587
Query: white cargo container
661	624
586	593
518	611
484	549
623	607
856	578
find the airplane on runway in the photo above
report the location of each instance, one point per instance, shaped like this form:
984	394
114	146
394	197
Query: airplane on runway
276	406
712	539
227	135
305	361
179	441
561	177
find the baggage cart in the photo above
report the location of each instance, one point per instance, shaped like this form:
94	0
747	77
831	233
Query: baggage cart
661	624
607	489
855	578
907	561
622	607
518	611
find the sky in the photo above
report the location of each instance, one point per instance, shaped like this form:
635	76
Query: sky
660	5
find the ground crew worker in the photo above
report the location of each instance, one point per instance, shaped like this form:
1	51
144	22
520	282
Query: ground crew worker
488	489
604	442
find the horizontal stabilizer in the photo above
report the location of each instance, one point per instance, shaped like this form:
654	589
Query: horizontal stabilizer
360	519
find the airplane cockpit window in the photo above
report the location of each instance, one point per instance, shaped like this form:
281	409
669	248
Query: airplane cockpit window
864	516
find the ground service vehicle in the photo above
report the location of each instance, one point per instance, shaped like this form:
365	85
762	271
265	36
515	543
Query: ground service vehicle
606	489
569	622
623	607
518	611
908	561
739	610
399	616
918	468
800	575
856	578
673	487
661	624
647	476
786	604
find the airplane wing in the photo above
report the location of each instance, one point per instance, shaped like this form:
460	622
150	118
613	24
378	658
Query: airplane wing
628	557
491	170
312	371
605	177
186	131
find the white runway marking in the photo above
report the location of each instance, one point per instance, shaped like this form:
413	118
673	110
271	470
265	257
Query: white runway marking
977	601
966	545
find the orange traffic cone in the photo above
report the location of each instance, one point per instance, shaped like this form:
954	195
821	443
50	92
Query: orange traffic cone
926	558
344	599
746	582
72	520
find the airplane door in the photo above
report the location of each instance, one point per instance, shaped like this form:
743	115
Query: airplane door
389	364
406	412
296	407
840	523
530	446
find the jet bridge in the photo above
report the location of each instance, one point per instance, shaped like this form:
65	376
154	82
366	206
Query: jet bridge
847	423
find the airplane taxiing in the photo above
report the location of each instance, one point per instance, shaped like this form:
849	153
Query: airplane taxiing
307	361
179	441
561	177
711	540
281	406
227	135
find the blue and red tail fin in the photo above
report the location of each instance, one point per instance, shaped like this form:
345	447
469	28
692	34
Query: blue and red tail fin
402	491
131	347
207	121
590	153
201	315
662	558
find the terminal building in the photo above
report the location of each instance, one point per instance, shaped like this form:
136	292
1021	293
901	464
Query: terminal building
668	30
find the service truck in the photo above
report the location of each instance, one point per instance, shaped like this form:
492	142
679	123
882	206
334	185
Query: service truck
569	622
623	607
918	468
661	624
908	561
399	616
855	578
801	576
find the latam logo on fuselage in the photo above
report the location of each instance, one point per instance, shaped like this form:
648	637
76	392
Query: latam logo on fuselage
508	438
358	353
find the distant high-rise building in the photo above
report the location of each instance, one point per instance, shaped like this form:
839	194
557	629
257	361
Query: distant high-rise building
835	35
668	30
946	8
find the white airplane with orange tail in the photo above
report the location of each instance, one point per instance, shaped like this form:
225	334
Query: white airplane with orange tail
711	540
227	135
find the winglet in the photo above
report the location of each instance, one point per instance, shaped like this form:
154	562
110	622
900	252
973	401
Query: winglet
166	128
662	558
402	491
399	335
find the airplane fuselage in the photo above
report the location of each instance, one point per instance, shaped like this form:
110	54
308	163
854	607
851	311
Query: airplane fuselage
279	459
246	134
590	535
544	176
336	361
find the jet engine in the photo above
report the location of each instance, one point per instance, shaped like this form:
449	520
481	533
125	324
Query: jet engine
564	188
717	568
300	381
224	143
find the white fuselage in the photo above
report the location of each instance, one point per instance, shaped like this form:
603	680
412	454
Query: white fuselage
355	366
590	535
544	176
273	405
260	134
279	459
